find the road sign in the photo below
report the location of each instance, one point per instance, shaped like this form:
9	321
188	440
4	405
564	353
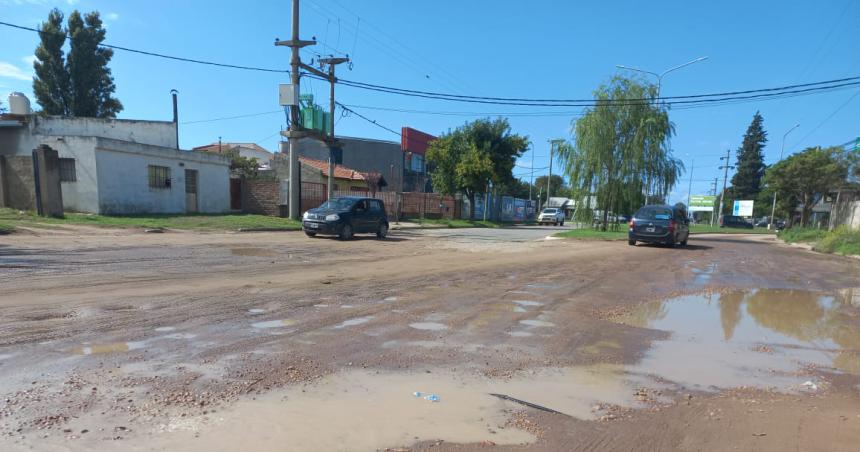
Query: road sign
702	203
743	208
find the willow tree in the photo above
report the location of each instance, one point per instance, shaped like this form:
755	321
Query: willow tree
620	155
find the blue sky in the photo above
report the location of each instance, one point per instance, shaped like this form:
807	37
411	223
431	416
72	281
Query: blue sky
553	49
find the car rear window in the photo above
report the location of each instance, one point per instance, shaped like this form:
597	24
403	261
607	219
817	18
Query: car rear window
548	211
654	213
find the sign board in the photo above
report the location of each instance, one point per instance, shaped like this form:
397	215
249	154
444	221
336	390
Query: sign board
743	208
288	94
702	203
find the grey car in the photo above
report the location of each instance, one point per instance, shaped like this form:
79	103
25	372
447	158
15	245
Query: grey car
659	224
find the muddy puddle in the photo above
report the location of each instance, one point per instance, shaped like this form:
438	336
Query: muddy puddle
364	410
760	338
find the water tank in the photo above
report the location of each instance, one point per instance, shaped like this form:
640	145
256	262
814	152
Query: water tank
19	104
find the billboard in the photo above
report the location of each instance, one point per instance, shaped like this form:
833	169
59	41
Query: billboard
702	203
743	208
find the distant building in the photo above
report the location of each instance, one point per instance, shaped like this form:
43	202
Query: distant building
414	144
111	166
247	150
361	154
345	179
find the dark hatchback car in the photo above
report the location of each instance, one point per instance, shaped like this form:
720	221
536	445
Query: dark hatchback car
347	216
659	224
732	221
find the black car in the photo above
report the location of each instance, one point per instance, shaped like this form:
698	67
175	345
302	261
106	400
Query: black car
734	221
659	224
347	216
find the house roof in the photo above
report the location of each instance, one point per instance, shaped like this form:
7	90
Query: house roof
340	171
226	146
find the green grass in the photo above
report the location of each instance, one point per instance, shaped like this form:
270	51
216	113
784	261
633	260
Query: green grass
794	235
456	223
6	228
220	222
593	234
840	241
708	229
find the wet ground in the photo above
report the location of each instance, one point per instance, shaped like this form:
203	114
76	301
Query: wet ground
433	339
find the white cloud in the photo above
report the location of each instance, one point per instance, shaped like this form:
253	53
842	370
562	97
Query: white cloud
72	2
11	71
29	60
112	16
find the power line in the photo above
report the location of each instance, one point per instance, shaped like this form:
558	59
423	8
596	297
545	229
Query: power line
472	113
159	55
828	118
250	115
372	121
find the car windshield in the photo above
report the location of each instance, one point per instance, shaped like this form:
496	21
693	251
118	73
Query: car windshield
549	210
654	213
338	204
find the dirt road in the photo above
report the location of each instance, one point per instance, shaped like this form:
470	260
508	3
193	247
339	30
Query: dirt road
120	340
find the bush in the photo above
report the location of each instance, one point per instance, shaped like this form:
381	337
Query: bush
840	241
802	235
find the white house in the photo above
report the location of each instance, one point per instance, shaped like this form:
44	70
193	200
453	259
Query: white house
112	166
247	150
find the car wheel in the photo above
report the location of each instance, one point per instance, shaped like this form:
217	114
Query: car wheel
631	242
310	234
346	232
382	232
684	243
562	222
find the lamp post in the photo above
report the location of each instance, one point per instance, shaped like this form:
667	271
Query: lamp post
661	74
660	80
770	224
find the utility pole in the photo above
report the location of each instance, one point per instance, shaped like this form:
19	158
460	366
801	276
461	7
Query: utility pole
725	178
552	143
690	187
332	142
173	93
294	132
713	192
532	182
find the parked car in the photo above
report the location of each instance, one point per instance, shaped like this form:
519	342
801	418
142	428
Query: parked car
734	221
551	215
659	224
347	216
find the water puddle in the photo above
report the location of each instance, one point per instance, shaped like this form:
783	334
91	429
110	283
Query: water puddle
543	323
432	326
320	305
114	347
274	323
528	303
364	410
353	322
256	311
390	299
519	334
703	275
519	309
179	336
758	338
421	344
253	252
163	329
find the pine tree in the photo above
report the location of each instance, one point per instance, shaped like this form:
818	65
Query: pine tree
51	82
746	183
82	84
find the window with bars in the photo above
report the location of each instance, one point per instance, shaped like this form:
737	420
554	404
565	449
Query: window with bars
67	170
159	176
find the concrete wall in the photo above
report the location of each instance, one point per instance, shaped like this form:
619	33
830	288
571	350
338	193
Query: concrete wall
363	155
21	188
83	194
50	199
123	179
156	133
3	178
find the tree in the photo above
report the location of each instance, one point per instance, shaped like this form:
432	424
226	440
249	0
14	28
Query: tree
805	177
557	186
621	154
81	84
473	156
746	183
51	80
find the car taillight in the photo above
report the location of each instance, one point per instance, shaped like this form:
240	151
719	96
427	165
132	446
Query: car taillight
671	225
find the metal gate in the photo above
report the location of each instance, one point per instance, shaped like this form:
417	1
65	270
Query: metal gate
313	195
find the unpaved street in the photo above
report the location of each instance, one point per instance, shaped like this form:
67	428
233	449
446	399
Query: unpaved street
121	340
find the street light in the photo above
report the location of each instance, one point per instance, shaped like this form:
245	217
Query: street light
662	74
770	224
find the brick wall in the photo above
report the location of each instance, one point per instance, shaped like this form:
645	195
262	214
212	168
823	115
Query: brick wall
261	197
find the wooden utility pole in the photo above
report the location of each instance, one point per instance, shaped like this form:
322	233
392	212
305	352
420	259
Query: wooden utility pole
332	142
